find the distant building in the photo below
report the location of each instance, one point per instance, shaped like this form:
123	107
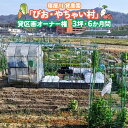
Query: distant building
14	31
99	30
4	31
8	31
70	29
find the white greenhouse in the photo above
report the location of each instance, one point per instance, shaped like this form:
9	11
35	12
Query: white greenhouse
25	62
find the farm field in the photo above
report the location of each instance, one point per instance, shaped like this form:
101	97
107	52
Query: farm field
68	40
49	108
44	108
118	45
85	41
41	108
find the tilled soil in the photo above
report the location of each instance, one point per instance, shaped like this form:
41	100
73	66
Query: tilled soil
49	100
41	108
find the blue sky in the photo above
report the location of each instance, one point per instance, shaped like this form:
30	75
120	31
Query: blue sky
12	6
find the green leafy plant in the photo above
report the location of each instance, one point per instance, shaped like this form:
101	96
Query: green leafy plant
3	63
120	119
51	73
124	56
100	114
73	106
104	6
50	67
57	55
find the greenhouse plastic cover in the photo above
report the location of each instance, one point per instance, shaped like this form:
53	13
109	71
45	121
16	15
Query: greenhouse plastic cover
25	60
99	78
80	70
22	50
50	79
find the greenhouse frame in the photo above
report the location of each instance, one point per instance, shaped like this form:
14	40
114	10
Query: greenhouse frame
25	62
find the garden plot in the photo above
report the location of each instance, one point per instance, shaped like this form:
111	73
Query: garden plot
22	107
41	107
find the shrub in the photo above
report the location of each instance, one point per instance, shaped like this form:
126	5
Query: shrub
73	106
120	119
100	114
